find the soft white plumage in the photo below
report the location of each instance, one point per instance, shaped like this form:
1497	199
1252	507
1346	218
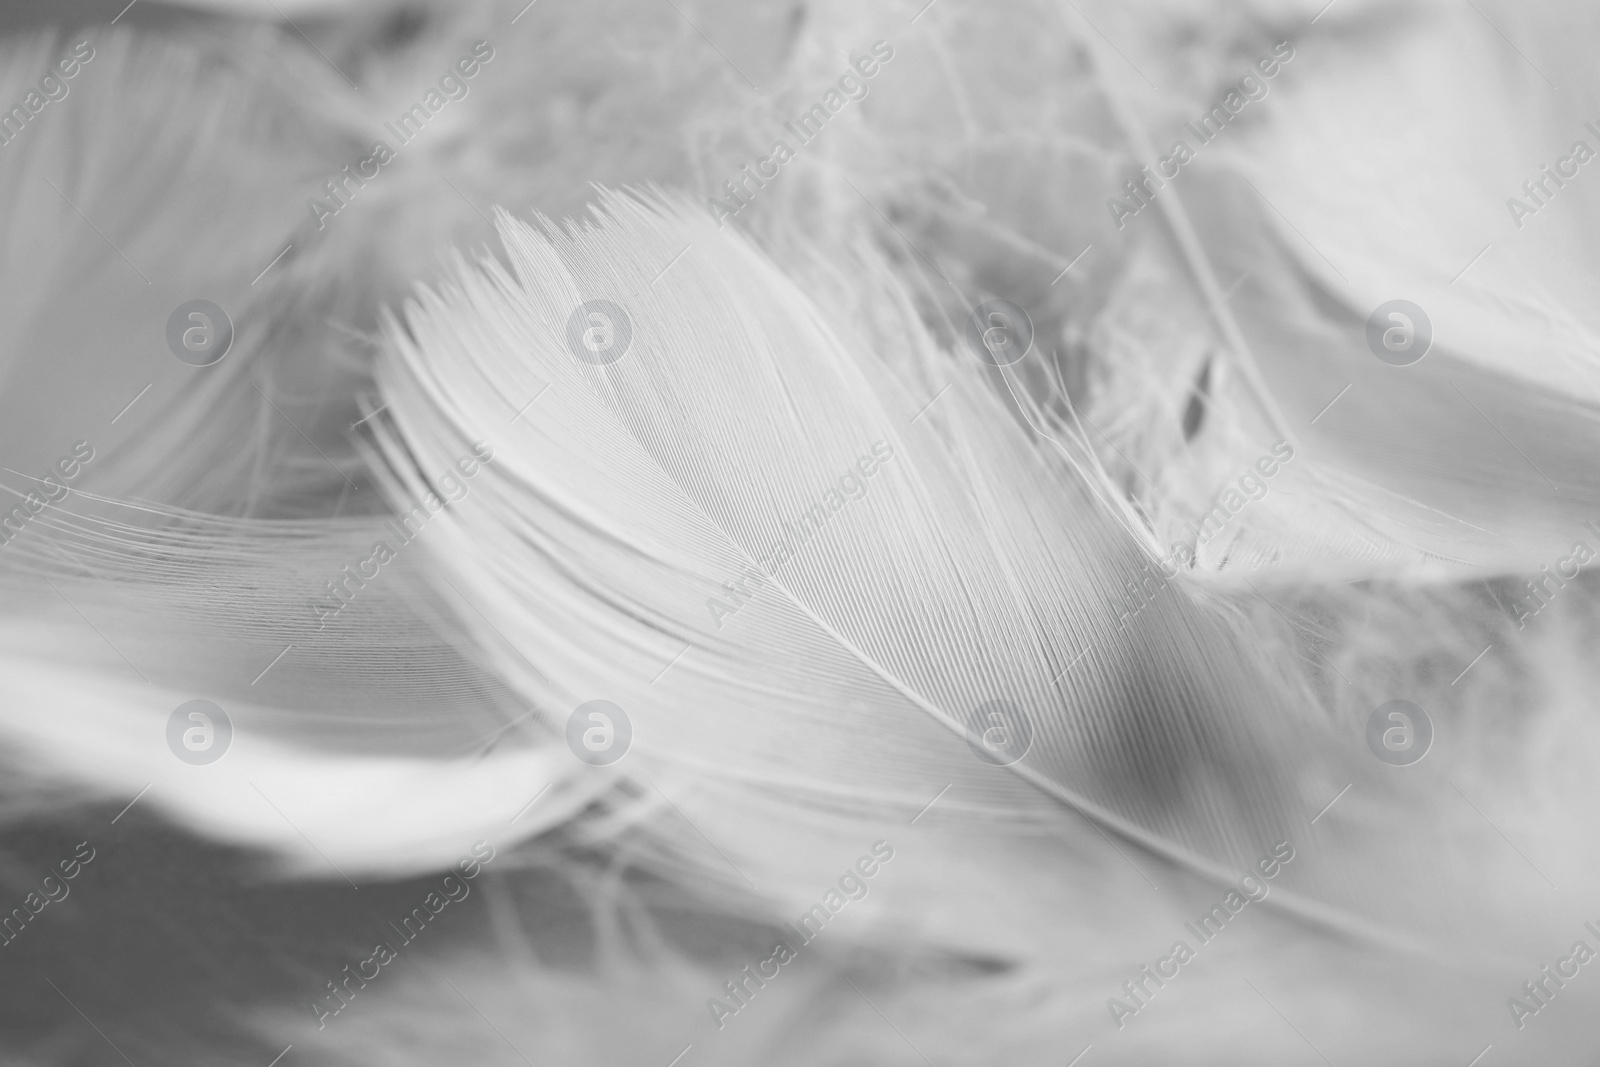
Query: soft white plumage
782	726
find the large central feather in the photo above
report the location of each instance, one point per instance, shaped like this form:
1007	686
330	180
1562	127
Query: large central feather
975	566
